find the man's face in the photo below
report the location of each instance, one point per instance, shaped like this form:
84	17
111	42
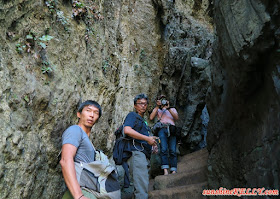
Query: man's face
88	116
141	106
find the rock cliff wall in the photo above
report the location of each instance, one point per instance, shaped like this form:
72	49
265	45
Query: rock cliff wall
56	53
243	134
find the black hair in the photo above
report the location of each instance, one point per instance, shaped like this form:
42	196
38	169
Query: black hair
90	102
161	97
141	96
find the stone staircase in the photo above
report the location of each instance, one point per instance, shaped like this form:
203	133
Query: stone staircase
188	183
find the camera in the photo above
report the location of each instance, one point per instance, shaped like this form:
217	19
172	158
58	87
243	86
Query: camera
164	102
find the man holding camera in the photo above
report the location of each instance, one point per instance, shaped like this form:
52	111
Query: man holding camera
167	116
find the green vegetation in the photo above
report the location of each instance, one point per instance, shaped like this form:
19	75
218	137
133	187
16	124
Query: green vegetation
54	10
46	68
78	4
105	65
142	53
52	5
63	20
89	13
26	98
20	48
136	67
79	10
55	100
45	39
30	46
29	36
142	56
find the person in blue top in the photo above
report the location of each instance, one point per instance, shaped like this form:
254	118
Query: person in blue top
76	147
136	127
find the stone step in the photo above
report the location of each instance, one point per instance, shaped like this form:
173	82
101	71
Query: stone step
181	178
193	191
192	169
193	161
194	156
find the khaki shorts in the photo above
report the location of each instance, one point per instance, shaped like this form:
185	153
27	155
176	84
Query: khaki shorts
67	195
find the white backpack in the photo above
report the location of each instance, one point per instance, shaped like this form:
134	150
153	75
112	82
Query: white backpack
99	177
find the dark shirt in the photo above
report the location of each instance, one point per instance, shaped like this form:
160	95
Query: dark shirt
138	123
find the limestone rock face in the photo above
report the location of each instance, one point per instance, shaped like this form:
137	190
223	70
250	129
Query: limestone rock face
243	133
187	32
55	54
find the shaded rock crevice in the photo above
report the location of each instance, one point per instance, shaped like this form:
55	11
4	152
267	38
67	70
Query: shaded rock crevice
244	108
53	57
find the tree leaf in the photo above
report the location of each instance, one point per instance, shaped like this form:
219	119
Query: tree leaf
42	45
29	37
46	38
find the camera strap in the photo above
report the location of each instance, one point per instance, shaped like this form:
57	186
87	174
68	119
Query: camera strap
162	115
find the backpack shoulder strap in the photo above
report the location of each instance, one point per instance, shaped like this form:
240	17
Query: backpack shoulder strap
162	115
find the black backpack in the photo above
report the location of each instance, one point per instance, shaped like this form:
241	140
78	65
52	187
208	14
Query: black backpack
119	132
122	152
122	149
123	144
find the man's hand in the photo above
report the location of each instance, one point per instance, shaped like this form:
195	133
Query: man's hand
151	140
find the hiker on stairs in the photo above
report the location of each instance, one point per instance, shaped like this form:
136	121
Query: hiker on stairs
167	133
142	143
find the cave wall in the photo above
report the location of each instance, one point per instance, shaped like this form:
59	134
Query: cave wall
243	132
55	54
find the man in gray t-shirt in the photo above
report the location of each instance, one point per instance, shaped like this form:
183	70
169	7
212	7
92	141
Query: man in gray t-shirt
76	136
76	147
